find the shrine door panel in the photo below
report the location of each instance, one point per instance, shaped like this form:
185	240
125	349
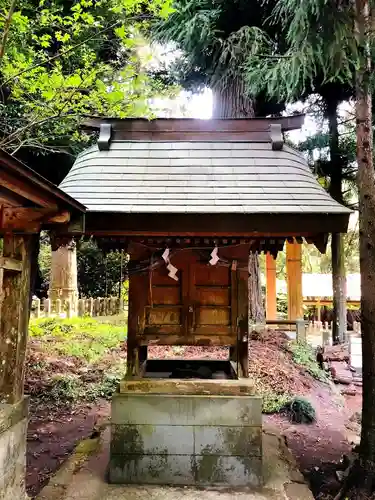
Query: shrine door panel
213	298
165	312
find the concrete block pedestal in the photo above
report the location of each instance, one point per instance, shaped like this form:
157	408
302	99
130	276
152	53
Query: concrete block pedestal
193	439
13	433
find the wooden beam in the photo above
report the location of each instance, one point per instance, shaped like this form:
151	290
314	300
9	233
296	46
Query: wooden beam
271	309
294	280
10	264
27	191
185	128
14	317
30	220
255	224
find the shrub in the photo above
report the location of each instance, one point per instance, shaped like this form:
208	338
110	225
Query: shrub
300	411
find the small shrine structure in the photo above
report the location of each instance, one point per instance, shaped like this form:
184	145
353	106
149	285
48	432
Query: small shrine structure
189	200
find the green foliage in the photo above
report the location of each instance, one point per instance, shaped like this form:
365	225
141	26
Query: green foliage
274	403
63	61
315	262
319	48
85	355
282	304
68	388
99	274
215	40
65	388
304	355
300	411
83	338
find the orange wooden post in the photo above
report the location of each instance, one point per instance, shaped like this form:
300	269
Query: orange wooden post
294	280
271	310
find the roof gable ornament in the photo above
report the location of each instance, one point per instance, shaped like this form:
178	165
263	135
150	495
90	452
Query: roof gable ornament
104	136
276	136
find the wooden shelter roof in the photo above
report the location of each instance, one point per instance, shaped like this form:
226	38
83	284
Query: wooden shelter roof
28	201
235	170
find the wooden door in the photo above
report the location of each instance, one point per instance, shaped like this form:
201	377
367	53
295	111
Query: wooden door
213	302
200	308
166	309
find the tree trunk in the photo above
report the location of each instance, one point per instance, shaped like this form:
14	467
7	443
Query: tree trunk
256	308
339	288
63	282
337	243
231	101
363	473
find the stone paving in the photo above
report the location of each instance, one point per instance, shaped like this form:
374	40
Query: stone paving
83	477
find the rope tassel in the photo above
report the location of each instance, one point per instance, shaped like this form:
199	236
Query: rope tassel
214	257
172	269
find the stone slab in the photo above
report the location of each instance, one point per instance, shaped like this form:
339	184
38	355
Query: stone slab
218	470
242	387
13	446
151	469
152	439
185	440
153	409
11	414
227	441
244	411
13	432
202	470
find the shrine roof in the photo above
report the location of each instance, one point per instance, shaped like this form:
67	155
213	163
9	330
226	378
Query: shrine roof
26	187
217	166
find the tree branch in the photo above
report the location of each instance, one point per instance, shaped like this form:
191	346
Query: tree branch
7	24
70	49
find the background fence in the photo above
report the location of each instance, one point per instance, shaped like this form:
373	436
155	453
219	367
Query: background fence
108	306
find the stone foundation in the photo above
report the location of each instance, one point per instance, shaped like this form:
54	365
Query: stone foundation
13	432
195	439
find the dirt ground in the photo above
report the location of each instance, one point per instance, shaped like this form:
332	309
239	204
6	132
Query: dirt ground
52	435
318	447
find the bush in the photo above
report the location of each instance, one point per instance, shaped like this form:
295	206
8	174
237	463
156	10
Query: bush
300	411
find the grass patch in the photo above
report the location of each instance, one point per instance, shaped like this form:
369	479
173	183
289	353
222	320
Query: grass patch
84	338
304	355
77	359
274	403
68	388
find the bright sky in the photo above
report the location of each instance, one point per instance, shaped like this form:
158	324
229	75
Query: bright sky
200	106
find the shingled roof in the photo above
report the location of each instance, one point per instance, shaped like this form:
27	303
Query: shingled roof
197	177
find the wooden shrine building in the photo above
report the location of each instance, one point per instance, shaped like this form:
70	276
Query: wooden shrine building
189	186
189	200
28	203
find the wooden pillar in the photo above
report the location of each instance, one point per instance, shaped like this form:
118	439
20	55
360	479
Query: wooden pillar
271	309
294	280
138	286
242	323
14	315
